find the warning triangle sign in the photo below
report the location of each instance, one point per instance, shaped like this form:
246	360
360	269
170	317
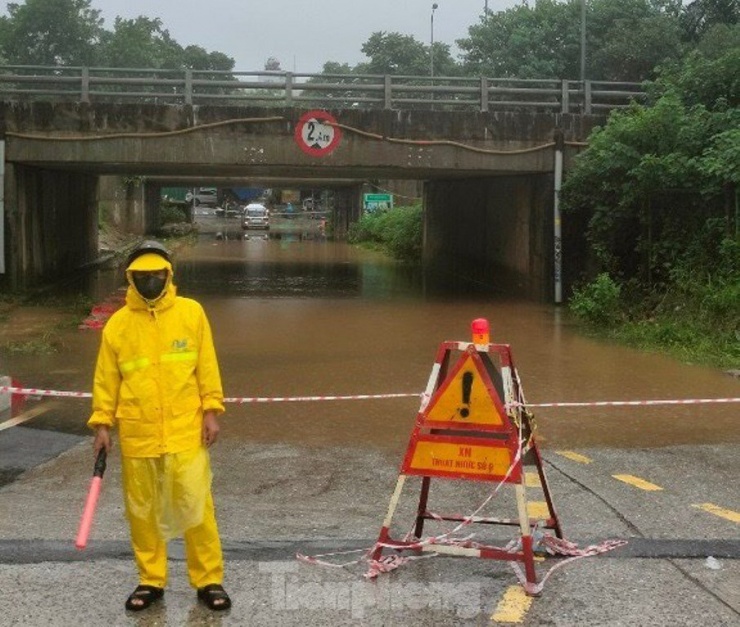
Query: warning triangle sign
468	398
466	433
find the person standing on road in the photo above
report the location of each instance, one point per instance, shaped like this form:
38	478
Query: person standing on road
157	380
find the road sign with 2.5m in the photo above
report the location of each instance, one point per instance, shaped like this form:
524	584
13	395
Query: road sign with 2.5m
317	133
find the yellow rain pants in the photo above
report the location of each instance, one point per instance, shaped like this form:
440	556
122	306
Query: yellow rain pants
165	497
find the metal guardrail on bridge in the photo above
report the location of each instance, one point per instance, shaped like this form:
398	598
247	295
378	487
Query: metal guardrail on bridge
290	89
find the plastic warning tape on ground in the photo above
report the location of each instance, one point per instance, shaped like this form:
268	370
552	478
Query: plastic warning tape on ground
5	389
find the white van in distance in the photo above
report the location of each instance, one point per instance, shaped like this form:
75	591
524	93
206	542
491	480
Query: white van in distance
256	216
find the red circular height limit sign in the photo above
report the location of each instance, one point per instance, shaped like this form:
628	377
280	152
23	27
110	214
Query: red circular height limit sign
317	133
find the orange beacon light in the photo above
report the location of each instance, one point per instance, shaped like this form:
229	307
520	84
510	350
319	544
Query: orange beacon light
481	331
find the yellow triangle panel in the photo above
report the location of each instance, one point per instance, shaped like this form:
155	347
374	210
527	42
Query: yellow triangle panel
467	397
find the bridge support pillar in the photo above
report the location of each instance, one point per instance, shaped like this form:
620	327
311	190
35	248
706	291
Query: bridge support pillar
52	224
122	204
495	232
347	210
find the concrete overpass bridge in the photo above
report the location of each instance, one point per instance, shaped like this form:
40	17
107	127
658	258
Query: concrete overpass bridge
489	173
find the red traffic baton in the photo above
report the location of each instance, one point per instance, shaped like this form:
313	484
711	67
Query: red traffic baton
92	500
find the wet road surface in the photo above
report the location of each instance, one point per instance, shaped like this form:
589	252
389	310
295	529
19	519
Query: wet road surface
300	316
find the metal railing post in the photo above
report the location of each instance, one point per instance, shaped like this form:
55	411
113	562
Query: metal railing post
289	89
564	98
188	86
557	231
481	93
484	94
85	85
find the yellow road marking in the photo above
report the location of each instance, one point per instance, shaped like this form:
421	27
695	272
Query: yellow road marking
538	510
532	480
719	511
576	457
638	483
27	415
512	607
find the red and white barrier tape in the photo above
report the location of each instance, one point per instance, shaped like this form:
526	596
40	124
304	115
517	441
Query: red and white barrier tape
236	399
557	546
240	400
289	399
37	392
681	401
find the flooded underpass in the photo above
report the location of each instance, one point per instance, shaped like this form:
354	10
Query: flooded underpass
316	318
297	315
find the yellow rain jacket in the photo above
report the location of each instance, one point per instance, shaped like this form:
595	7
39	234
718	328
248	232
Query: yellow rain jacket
156	374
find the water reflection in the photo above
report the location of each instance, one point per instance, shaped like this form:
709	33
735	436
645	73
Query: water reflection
326	318
287	266
297	317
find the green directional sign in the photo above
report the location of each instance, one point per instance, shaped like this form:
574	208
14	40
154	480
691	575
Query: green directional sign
377	202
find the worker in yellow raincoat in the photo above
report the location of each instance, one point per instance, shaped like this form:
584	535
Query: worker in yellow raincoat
157	381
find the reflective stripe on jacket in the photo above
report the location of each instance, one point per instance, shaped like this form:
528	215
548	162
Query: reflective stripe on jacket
156	374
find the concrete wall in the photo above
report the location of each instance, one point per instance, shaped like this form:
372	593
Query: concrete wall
122	203
495	232
51	224
488	199
252	142
347	210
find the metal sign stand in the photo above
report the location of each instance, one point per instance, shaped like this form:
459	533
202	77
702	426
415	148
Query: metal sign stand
465	432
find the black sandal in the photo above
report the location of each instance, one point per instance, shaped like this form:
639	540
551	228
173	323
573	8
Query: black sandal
214	597
143	597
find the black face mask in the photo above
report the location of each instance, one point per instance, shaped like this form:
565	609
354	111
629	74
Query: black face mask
149	286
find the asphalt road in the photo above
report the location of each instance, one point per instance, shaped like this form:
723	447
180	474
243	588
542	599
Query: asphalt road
317	480
679	567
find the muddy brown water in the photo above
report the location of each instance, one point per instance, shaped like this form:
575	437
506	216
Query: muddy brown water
302	316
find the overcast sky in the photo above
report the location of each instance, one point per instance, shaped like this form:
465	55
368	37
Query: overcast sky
301	34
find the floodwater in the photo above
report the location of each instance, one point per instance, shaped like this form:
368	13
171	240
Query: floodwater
296	315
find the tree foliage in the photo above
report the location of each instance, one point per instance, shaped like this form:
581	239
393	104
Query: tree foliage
51	32
625	39
657	184
701	79
71	32
398	231
139	43
540	41
701	16
394	53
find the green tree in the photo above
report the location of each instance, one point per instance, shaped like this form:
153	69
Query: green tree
540	41
140	43
70	32
51	32
700	16
632	48
339	74
273	65
198	58
655	177
625	40
718	39
332	67
388	54
143	42
712	82
394	53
